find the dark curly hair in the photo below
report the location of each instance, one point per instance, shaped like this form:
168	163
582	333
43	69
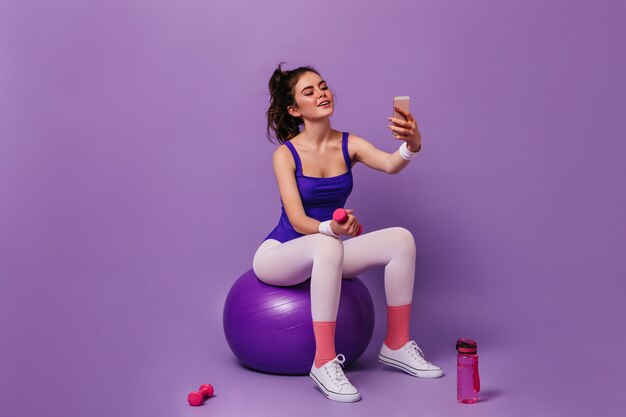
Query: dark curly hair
279	121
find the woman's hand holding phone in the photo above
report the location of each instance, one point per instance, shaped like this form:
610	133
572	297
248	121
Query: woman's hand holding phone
404	125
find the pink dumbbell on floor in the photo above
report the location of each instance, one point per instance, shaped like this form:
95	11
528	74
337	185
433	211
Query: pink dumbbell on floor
341	215
196	398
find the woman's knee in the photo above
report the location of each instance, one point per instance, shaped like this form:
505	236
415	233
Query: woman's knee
403	240
328	249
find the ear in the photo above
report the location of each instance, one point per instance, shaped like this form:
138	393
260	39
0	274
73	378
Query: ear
293	112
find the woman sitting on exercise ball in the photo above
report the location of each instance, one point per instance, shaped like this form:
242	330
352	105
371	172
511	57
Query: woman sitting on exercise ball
313	167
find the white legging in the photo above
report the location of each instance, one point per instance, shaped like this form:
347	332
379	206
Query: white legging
327	260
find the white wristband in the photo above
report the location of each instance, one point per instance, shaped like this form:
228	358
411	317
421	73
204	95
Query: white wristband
405	153
326	229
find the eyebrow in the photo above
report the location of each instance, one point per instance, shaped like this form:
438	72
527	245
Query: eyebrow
310	86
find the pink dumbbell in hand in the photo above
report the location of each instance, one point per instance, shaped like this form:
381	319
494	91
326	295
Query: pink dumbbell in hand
341	215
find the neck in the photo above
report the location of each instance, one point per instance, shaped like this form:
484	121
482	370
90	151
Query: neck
317	132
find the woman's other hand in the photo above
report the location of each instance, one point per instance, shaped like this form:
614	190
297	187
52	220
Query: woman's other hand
348	228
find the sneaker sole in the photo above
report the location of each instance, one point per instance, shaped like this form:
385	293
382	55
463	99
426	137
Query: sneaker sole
409	370
343	398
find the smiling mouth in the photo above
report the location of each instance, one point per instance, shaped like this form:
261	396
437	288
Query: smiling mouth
324	103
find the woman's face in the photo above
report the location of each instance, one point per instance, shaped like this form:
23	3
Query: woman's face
314	99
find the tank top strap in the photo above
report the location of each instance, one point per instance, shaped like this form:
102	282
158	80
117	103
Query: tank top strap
344	148
296	157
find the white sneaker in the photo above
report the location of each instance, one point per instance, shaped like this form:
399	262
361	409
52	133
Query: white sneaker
410	359
331	380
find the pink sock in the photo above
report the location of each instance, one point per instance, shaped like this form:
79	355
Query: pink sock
398	319
324	342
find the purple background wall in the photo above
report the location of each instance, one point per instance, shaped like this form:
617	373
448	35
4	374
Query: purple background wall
130	130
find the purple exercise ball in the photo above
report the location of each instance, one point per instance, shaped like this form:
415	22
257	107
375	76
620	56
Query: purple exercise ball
270	328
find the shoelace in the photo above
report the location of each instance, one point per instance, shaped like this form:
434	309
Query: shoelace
338	375
416	352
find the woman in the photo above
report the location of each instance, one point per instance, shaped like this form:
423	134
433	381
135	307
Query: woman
313	167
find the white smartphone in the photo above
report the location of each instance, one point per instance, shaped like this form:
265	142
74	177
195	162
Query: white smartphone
401	102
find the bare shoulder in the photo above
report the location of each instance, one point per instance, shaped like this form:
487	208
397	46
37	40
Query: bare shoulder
361	150
280	150
282	157
356	143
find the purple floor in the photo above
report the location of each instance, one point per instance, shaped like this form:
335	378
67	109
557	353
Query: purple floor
138	362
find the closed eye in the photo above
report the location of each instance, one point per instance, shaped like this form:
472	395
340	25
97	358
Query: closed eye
310	92
310	88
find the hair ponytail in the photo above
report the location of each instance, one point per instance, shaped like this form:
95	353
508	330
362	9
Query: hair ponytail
281	86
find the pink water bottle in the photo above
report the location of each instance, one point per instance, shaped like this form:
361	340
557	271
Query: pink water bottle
467	379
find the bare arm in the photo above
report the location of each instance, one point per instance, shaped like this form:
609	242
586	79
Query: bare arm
391	163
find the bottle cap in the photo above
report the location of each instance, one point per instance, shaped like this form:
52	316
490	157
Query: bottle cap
466	346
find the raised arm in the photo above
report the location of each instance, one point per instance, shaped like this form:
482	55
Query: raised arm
391	163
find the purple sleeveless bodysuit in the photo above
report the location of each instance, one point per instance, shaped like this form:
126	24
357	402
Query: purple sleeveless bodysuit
320	196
